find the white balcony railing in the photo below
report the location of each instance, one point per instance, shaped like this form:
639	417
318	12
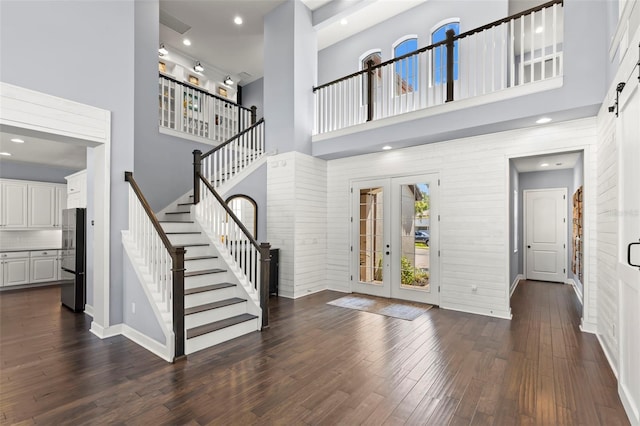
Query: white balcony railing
515	51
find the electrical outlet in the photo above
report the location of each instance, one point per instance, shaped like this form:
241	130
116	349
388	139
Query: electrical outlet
474	287
133	307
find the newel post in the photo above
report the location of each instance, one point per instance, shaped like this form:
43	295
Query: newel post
265	266
178	300
197	169
370	72
254	114
450	58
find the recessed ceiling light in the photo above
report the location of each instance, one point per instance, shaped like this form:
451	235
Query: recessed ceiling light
344	21
386	147
237	20
544	165
6	154
539	30
16	140
186	42
543	120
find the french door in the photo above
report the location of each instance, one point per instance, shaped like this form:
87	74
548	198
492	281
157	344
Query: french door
394	244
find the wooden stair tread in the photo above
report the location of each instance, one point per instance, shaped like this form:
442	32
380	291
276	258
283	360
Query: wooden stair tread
210	287
200	258
175	221
192	245
204	272
178	213
186	233
213	305
185	204
218	325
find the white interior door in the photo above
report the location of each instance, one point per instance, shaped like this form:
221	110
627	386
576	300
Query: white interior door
629	246
394	238
546	234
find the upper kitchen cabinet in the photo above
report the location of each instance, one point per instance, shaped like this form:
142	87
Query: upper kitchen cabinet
31	205
77	190
13	204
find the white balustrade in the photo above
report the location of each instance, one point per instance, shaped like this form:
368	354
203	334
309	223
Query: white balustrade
512	52
155	256
226	161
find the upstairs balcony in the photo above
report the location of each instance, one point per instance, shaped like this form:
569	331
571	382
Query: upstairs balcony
517	55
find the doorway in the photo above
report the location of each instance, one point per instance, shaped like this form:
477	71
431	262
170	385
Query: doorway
545	234
394	238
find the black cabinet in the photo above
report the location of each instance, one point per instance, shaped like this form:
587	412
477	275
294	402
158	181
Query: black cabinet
274	271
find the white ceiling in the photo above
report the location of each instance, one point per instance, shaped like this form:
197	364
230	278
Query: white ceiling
43	151
554	162
236	49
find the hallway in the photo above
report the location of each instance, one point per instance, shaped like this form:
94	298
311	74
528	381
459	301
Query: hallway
317	364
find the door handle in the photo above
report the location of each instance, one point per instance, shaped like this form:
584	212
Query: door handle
629	254
387	253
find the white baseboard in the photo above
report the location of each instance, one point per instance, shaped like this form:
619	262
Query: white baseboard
148	343
489	313
515	283
587	327
573	284
607	355
629	406
88	309
105	332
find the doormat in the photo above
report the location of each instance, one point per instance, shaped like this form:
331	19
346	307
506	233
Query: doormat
377	305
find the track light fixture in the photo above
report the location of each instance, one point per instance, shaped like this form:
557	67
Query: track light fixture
163	50
198	67
228	81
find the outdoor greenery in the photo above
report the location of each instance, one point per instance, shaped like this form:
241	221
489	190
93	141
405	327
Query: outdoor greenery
410	275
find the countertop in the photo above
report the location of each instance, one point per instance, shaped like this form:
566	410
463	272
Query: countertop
29	249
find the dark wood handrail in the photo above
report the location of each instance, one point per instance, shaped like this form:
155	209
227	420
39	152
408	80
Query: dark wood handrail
233	217
128	176
234	137
204	92
177	270
441	43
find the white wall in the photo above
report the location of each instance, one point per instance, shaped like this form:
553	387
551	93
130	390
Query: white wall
297	221
474	206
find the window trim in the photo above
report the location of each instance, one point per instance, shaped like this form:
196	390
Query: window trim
397	43
436	27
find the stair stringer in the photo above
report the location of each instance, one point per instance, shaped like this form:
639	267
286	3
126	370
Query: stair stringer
162	315
252	296
223	189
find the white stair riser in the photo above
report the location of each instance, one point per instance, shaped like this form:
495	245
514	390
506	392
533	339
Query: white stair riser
178	227
199	251
212	315
201	280
180	239
211	296
182	216
199	265
210	339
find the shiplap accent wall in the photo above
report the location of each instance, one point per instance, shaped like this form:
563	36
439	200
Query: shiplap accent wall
297	221
607	235
474	236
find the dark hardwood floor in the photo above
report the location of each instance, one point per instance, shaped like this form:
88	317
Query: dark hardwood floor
317	364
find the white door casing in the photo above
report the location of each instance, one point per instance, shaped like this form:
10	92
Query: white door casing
545	234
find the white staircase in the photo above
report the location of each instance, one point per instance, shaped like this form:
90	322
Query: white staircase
217	306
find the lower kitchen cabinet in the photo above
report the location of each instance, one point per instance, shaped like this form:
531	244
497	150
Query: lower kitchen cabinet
23	267
15	268
44	266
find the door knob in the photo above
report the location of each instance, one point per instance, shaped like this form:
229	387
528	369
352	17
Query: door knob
528	246
387	253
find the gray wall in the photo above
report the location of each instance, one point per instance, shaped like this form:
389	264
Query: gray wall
514	256
545	180
163	164
143	319
87	49
342	58
253	94
255	186
585	48
37	172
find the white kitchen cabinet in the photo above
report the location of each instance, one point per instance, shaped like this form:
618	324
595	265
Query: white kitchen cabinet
15	267
61	204
13	204
42	206
77	190
43	266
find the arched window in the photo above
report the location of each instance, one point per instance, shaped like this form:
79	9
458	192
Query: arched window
440	53
406	69
245	209
376	57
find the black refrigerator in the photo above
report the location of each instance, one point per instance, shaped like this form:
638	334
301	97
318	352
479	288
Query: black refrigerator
73	293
